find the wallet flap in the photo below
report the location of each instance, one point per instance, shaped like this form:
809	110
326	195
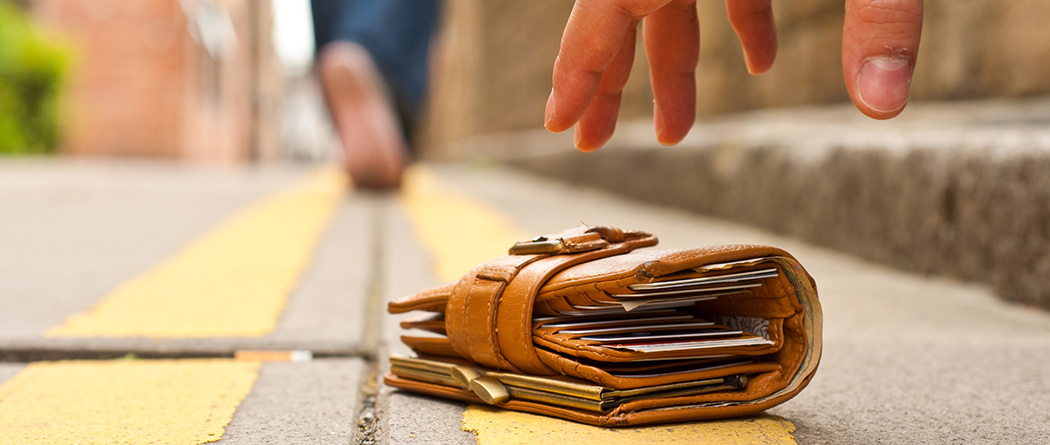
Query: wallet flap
432	300
488	315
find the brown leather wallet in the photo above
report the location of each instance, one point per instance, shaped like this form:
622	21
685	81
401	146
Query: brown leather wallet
580	325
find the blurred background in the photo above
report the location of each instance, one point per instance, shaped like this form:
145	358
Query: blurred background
231	81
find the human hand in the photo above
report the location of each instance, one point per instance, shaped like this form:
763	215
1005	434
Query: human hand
880	41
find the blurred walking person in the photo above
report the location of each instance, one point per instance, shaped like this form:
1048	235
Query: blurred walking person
372	59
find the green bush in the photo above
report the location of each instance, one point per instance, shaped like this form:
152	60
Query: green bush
32	73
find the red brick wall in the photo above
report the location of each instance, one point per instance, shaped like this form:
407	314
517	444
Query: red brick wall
144	86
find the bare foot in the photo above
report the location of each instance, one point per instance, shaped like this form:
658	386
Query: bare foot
376	152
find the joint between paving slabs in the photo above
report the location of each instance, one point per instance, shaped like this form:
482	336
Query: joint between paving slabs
374	298
22	354
367	422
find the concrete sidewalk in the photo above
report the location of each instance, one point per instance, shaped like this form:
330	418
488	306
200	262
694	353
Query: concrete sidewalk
74	231
908	359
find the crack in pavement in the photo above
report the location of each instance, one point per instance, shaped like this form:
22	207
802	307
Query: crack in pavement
367	419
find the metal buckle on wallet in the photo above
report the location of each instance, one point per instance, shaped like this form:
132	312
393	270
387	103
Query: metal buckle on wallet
538	245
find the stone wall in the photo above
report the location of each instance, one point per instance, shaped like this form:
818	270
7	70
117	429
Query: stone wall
168	78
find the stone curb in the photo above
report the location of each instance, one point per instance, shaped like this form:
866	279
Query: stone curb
960	189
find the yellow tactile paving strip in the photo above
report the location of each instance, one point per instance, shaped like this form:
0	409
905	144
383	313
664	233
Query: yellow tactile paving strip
123	401
460	232
506	427
231	282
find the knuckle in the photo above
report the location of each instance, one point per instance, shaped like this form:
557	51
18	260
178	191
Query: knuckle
889	11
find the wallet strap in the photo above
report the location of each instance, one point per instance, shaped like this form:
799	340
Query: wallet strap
488	317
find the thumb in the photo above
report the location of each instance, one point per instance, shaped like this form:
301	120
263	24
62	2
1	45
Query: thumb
879	43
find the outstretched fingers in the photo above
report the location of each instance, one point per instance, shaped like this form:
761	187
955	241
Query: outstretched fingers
593	38
753	22
599	121
879	44
672	44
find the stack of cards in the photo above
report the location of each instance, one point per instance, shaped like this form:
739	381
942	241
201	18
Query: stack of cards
657	320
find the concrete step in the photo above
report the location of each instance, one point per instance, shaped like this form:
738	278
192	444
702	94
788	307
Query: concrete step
960	189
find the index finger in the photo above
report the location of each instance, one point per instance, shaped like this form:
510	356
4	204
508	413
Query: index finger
593	36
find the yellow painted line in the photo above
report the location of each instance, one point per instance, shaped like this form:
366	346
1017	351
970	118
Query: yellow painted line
458	231
494	426
231	282
461	232
123	401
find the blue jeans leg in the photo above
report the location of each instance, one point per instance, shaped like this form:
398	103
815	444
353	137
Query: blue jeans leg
396	33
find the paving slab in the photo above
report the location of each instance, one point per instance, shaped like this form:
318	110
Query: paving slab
405	417
8	370
74	231
329	306
181	401
411	418
312	402
908	358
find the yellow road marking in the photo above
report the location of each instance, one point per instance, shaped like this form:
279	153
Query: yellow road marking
494	426
123	401
231	282
460	232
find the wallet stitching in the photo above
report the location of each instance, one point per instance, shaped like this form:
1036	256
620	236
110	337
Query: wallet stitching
491	304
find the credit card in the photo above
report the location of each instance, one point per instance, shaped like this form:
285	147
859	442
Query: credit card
697	291
578	318
700	281
595	310
564	322
636	328
713	331
663	303
693	345
716	364
727	266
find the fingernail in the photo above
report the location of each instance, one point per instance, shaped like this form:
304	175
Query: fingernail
749	65
884	82
548	113
658	120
